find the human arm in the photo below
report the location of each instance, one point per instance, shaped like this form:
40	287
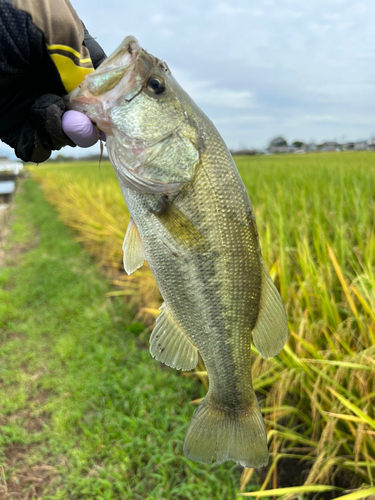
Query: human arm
45	51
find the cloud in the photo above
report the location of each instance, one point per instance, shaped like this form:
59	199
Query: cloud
166	33
296	14
320	119
158	18
243	119
206	93
227	9
261	68
320	28
332	16
6	150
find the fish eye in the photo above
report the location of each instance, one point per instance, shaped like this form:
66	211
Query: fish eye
156	84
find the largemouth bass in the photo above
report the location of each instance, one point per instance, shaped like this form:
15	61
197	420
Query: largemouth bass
192	221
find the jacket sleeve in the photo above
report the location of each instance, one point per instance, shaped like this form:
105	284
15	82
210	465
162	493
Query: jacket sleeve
44	51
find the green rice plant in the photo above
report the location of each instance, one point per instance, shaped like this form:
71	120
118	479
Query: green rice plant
88	199
316	216
316	221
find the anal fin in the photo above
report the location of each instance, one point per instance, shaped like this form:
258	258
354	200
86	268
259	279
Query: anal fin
134	254
170	345
271	330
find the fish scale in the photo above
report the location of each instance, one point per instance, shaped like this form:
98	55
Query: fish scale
192	221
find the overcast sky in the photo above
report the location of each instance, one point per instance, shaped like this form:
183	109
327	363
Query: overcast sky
259	68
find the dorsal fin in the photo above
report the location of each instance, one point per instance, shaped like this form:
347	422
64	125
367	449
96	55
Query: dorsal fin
271	329
134	254
170	345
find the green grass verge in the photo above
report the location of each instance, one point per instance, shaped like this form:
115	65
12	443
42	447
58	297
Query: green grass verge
85	412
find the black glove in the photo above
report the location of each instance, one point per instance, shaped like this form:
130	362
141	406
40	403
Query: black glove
42	132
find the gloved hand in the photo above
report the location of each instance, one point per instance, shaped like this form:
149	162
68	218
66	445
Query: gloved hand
32	81
49	128
77	126
41	132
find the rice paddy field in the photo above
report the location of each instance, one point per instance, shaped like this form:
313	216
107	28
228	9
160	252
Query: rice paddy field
316	221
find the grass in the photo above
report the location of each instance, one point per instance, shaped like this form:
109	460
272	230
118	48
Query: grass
88	199
85	411
316	220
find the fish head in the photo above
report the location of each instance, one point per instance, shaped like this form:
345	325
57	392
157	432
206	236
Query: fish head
152	137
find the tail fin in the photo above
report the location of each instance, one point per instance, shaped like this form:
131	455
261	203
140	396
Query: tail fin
240	437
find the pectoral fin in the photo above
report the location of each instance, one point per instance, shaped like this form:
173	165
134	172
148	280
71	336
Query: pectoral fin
271	329
179	226
134	254
170	345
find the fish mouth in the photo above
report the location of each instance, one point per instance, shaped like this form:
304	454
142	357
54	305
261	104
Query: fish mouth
121	76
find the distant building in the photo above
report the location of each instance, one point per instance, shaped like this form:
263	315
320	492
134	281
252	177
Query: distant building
7	188
310	147
7	180
280	145
280	150
361	146
330	146
10	166
244	152
358	146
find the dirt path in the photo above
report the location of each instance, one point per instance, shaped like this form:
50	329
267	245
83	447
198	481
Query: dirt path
18	479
